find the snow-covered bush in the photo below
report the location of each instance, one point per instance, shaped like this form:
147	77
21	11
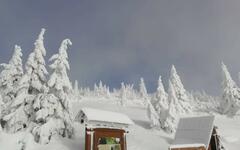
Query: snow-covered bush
230	102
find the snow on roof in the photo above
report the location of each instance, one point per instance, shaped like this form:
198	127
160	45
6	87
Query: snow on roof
187	145
194	130
95	115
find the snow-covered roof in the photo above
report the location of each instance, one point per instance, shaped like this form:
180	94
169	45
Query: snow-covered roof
102	117
194	130
187	145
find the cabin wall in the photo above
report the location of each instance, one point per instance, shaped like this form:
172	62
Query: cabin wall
88	139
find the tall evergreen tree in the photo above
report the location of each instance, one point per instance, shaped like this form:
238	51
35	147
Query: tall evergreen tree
35	66
230	102
101	90
76	88
153	115
174	110
34	78
123	94
160	100
15	115
10	75
1	109
32	84
53	115
76	92
143	91
180	91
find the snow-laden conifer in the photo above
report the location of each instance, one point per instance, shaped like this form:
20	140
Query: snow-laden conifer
32	83
1	109
35	66
53	108
180	91
123	94
230	102
14	114
18	113
153	116
76	91
143	91
101	90
160	100
173	112
10	75
76	88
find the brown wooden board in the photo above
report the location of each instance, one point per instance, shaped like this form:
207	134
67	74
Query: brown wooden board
104	132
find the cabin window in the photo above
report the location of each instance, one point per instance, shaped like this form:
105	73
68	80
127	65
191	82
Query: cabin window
109	143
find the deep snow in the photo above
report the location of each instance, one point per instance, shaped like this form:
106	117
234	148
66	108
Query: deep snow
140	137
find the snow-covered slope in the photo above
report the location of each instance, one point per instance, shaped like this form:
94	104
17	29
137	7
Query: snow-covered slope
140	137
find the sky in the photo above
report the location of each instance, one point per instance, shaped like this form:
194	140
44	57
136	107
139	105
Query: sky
122	40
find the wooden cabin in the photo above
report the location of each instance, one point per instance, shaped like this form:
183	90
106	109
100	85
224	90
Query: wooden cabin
104	130
196	133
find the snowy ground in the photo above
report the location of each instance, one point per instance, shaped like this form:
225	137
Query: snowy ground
141	137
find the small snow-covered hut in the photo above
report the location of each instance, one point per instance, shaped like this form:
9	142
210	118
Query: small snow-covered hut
105	130
196	133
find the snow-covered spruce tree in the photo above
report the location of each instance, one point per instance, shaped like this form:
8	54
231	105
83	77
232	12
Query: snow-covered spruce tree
10	75
204	102
123	94
153	116
143	92
180	91
35	67
1	109
160	101
76	91
21	112
31	84
230	102
15	116
101	90
53	116
174	110
130	91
